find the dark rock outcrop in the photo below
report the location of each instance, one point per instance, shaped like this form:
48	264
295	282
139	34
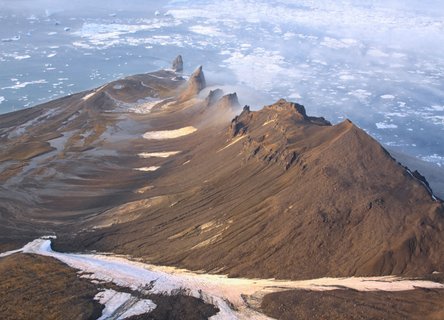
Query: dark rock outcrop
229	102
194	85
177	65
213	97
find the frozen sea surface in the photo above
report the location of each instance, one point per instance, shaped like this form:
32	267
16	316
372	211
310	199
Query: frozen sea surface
379	63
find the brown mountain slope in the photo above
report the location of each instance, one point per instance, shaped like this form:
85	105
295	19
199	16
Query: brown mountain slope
151	166
37	287
280	194
340	304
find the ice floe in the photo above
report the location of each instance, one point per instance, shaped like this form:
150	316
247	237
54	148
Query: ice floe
15	38
432	108
333	43
20	85
105	35
206	30
361	94
377	53
384	125
435	158
23	57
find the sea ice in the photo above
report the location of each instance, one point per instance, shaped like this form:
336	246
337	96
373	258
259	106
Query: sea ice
383	125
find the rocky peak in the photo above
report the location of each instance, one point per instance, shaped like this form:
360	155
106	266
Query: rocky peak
177	65
229	101
213	97
197	78
286	109
284	105
195	84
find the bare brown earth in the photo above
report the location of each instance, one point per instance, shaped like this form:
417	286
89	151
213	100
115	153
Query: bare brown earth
294	198
178	307
37	287
420	304
272	193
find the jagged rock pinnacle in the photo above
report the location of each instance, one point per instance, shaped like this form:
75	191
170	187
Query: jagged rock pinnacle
178	64
213	97
194	85
229	101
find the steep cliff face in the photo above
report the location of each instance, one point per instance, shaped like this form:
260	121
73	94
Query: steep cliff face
145	166
194	85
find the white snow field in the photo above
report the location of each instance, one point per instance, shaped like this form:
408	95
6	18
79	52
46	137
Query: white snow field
169	134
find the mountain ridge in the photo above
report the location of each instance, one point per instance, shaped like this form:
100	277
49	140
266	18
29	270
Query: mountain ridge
144	166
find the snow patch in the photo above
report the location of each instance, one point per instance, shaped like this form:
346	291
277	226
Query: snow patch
169	134
232	143
115	301
146	155
11	252
143	189
145	107
88	96
147	169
